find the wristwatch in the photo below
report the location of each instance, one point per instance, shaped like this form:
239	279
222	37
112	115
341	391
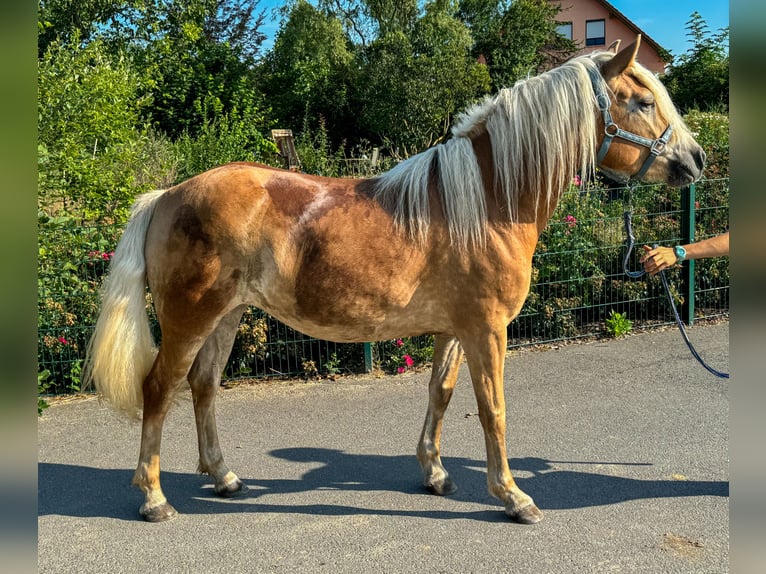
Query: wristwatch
680	253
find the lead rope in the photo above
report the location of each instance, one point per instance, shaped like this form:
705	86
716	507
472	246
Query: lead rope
628	219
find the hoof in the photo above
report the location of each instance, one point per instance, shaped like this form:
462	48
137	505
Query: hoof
443	487
530	514
160	513
232	490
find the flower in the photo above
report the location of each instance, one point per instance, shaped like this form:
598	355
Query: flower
63	341
577	181
400	370
399	342
105	255
570	220
408	360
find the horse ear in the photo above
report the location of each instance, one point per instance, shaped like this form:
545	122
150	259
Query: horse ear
613	47
622	60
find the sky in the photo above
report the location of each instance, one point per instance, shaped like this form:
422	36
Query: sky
662	20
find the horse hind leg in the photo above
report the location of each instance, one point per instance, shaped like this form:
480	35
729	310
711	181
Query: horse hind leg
168	373
204	380
446	362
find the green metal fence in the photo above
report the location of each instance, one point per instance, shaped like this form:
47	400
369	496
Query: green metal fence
578	281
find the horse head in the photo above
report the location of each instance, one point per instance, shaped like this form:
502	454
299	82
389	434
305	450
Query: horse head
643	134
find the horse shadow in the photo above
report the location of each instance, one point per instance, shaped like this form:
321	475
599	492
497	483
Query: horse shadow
82	491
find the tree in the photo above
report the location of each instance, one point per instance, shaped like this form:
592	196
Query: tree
413	84
64	20
91	143
700	77
309	71
198	61
120	106
516	38
195	57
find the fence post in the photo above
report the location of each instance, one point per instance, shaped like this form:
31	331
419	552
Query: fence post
368	357
688	223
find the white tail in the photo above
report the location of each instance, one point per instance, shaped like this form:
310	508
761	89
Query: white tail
121	351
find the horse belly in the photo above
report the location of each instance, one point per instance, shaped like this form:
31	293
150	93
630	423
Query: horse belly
346	279
351	299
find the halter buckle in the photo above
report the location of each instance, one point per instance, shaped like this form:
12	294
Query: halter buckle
658	146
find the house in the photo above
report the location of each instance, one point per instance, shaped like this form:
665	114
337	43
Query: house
595	24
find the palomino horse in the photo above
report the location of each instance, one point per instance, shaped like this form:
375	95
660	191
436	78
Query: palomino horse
440	244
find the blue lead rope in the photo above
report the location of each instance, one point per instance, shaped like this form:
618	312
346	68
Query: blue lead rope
628	219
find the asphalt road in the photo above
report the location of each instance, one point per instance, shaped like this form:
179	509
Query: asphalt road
623	445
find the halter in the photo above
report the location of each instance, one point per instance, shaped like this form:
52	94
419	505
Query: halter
612	130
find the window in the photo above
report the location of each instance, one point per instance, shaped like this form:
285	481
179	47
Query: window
595	34
565	29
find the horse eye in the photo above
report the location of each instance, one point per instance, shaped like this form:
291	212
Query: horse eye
646	105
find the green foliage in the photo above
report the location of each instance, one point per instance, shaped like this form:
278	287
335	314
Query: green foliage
71	22
570	268
618	325
399	355
227	138
91	143
712	218
332	364
711	130
314	149
516	38
250	342
42	388
72	261
309	71
699	79
412	85
193	81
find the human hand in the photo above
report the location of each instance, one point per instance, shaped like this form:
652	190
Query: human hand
657	259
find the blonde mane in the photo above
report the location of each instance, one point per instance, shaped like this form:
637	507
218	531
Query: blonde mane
543	132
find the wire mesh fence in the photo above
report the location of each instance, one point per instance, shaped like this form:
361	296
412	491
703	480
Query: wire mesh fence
578	284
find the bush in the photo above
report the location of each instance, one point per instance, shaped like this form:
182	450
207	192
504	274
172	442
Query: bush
223	139
711	130
91	145
72	261
400	355
574	259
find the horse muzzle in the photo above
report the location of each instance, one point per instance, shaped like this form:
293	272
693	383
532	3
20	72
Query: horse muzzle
686	168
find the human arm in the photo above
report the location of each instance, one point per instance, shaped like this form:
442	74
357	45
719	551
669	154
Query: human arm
659	258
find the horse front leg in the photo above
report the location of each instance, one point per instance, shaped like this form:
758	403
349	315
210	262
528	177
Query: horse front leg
204	380
446	362
485	354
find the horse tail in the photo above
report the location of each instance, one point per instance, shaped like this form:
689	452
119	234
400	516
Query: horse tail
121	350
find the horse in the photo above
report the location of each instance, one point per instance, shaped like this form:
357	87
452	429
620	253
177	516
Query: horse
441	244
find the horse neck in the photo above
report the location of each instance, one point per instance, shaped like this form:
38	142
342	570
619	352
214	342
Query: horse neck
529	211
